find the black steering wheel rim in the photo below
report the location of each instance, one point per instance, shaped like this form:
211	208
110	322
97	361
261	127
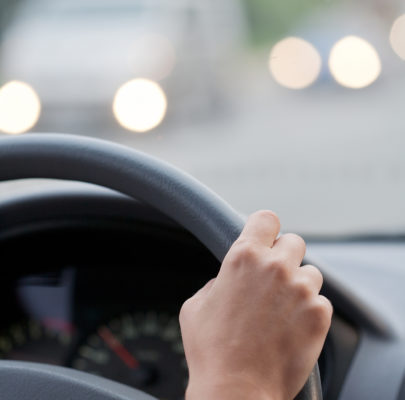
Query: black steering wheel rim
160	185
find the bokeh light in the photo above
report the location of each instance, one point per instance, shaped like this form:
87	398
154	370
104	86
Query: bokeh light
295	63
397	36
20	107
140	105
354	62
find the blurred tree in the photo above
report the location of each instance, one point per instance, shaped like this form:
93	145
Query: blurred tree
270	19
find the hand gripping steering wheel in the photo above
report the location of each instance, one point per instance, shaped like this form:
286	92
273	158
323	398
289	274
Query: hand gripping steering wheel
169	190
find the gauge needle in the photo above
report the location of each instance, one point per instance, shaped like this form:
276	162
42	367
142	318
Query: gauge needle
116	346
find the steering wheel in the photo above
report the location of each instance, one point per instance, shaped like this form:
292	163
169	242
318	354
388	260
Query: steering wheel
162	186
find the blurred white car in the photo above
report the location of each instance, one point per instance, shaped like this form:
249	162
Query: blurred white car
77	53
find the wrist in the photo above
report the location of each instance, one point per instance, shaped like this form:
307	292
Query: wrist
227	389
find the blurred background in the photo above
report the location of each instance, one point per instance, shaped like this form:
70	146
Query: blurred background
293	105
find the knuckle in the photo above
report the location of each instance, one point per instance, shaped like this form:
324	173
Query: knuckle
318	274
243	252
279	269
296	240
313	269
321	314
269	215
279	261
303	290
313	273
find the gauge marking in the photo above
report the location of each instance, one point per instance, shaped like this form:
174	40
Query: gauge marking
129	330
34	330
170	332
94	340
30	340
17	334
5	344
65	338
98	356
150	325
80	364
178	347
149	355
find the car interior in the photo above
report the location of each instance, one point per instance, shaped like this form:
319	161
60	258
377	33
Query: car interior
105	231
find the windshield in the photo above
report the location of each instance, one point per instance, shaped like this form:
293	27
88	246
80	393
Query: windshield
290	105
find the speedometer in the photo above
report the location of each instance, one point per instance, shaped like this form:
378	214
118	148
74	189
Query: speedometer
143	350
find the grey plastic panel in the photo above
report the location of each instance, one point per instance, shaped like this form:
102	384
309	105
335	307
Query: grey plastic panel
401	395
369	279
376	371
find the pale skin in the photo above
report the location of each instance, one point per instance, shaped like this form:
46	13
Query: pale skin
257	329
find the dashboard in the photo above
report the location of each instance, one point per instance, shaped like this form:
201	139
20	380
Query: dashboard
92	321
103	297
96	284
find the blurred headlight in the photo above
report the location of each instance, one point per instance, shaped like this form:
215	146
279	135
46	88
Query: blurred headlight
397	36
140	105
354	62
295	63
20	107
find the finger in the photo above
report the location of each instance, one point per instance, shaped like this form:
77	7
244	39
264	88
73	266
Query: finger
205	289
292	248
311	276
327	304
261	227
323	314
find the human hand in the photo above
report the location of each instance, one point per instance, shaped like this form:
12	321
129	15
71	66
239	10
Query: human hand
257	329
